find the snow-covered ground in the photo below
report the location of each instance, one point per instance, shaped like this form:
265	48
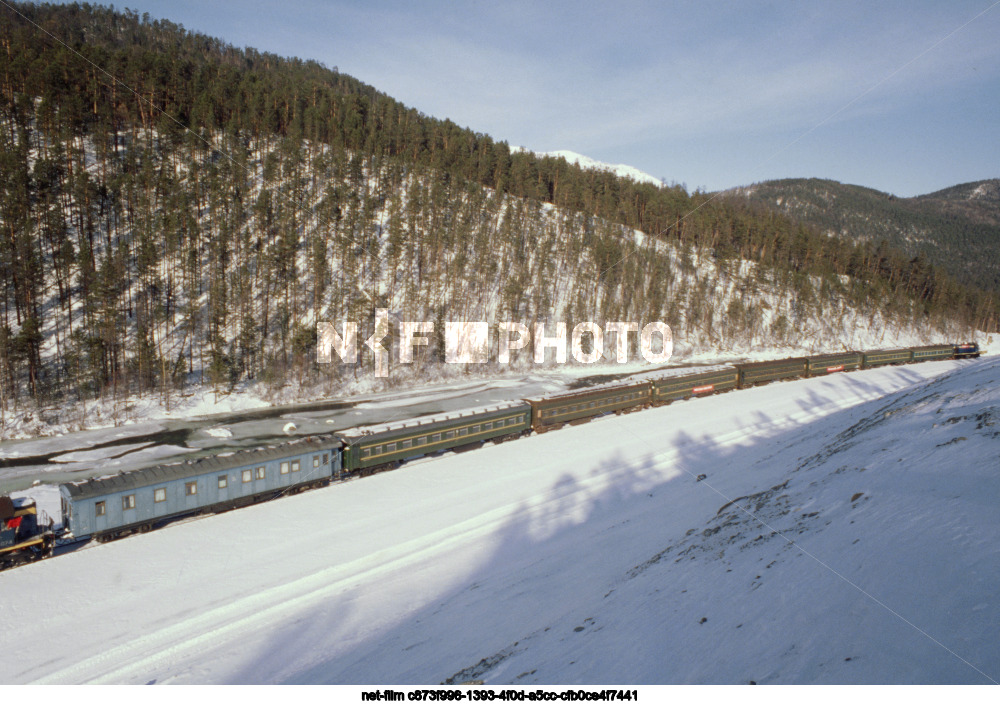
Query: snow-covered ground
835	530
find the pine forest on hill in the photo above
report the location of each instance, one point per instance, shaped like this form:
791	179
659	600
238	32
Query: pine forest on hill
191	221
957	228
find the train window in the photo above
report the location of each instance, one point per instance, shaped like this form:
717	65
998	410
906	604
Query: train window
422	441
366	452
449	434
406	444
284	468
247	475
128	501
223	482
463	431
475	429
436	437
488	425
260	473
391	447
99	509
326	458
315	461
160	494
190	488
295	466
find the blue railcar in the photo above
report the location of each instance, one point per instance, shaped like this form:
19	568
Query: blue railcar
115	506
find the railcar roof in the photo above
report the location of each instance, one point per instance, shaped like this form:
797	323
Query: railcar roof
768	363
829	356
618	384
426	421
680	372
134	479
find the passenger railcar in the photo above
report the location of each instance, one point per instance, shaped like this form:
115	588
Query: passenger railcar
684	384
877	358
926	353
752	373
819	365
559	409
115	506
370	449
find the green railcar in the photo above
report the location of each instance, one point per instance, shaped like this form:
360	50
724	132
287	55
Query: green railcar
819	365
372	448
752	373
556	410
693	382
925	353
877	358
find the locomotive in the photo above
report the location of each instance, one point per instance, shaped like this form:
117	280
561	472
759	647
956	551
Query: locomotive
140	500
25	535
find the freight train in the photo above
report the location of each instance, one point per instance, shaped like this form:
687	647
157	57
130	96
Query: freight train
138	501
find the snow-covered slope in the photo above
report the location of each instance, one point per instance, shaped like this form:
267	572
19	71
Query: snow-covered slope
839	529
629	172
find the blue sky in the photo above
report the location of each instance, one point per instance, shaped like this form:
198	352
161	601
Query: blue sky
902	96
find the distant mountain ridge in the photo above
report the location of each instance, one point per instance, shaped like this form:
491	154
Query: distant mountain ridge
957	228
977	200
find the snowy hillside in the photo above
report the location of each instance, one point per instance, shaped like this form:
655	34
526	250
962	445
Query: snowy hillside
629	172
833	530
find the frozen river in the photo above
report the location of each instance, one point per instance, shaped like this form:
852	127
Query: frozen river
76	456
